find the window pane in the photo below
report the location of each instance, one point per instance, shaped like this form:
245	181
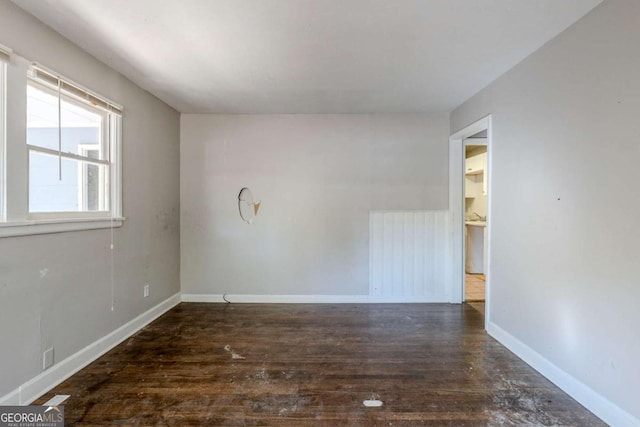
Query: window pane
91	180
80	124
92	192
83	187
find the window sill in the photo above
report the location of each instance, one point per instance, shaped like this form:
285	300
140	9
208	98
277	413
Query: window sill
28	228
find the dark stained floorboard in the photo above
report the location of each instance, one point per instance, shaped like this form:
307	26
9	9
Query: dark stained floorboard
313	365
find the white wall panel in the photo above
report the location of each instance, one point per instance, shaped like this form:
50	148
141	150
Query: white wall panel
408	255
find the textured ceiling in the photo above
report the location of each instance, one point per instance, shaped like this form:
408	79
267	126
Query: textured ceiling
310	56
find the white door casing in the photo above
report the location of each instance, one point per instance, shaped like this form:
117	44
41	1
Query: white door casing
456	211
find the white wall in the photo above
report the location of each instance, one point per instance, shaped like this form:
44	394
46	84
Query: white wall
318	177
565	203
55	290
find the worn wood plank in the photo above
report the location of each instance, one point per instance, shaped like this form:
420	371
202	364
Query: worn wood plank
313	365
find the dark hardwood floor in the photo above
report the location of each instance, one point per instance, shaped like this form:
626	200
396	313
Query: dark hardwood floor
314	365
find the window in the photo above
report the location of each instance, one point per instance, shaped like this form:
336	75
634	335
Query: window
4	58
65	167
92	190
69	145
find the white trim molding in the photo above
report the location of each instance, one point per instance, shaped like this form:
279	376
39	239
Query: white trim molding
590	399
28	228
39	385
305	299
456	211
11	398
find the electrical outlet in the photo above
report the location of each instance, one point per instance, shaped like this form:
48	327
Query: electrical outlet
145	292
47	358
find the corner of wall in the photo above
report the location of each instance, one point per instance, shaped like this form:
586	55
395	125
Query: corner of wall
590	399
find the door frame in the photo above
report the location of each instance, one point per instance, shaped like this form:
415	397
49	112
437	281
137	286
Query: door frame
456	210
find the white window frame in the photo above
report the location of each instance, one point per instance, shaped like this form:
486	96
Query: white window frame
3	137
106	143
15	218
83	150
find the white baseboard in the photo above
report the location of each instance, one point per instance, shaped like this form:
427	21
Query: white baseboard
307	299
593	401
12	398
39	385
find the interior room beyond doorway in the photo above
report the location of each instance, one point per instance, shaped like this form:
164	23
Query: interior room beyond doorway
475	215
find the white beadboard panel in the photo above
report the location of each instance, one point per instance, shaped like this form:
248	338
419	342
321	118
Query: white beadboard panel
408	255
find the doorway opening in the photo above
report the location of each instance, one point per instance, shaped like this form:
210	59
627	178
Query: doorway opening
469	205
475	219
